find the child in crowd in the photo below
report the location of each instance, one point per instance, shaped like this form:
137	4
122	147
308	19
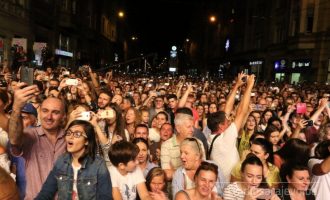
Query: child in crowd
127	179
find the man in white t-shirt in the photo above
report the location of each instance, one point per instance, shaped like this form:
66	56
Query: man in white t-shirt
320	168
223	150
126	178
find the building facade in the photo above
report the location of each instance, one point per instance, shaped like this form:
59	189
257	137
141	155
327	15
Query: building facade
75	32
276	39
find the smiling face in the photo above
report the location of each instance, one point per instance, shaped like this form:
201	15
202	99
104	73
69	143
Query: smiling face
52	114
300	180
250	123
205	181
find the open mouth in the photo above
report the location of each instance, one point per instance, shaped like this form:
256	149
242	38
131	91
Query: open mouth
69	144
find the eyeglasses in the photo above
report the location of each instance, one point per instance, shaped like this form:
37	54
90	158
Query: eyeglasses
192	139
76	134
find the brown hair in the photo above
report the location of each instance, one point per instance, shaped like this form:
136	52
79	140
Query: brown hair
6	181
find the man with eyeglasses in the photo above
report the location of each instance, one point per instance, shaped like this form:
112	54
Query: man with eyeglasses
39	146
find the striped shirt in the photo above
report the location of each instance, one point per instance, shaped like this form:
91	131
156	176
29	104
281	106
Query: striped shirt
233	192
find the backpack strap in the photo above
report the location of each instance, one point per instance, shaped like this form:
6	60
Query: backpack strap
211	147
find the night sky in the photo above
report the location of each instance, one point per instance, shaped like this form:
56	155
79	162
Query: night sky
159	24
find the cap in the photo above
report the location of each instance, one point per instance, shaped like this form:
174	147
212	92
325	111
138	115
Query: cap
30	109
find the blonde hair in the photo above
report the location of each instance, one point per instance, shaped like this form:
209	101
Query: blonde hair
194	144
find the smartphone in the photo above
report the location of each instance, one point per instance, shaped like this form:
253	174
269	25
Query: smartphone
310	123
166	84
253	94
301	108
267	193
27	75
86	116
106	114
71	81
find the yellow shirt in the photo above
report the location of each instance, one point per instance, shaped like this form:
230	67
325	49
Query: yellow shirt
272	179
244	143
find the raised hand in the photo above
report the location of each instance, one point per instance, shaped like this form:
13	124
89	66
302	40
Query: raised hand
22	95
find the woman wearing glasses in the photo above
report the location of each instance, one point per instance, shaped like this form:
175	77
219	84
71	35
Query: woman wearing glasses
79	173
191	157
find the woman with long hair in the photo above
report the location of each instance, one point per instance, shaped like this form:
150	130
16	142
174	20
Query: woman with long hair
143	156
252	184
246	132
272	134
132	118
79	173
263	150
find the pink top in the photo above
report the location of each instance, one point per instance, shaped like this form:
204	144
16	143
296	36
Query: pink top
40	155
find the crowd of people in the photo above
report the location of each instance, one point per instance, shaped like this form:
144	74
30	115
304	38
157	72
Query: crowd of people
90	135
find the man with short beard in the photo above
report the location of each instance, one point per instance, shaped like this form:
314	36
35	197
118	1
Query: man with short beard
39	146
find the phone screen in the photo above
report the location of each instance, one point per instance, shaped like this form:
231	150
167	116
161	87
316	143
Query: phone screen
301	108
27	75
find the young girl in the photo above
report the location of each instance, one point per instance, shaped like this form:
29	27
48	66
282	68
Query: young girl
79	173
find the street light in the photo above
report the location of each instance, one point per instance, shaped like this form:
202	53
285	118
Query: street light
121	14
212	19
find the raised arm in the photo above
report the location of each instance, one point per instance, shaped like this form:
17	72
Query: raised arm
322	168
231	97
184	97
15	133
323	103
243	107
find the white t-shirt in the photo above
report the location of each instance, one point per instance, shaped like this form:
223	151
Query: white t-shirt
126	184
75	177
320	185
224	151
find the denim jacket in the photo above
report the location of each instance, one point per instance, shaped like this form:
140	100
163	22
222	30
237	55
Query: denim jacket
93	180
